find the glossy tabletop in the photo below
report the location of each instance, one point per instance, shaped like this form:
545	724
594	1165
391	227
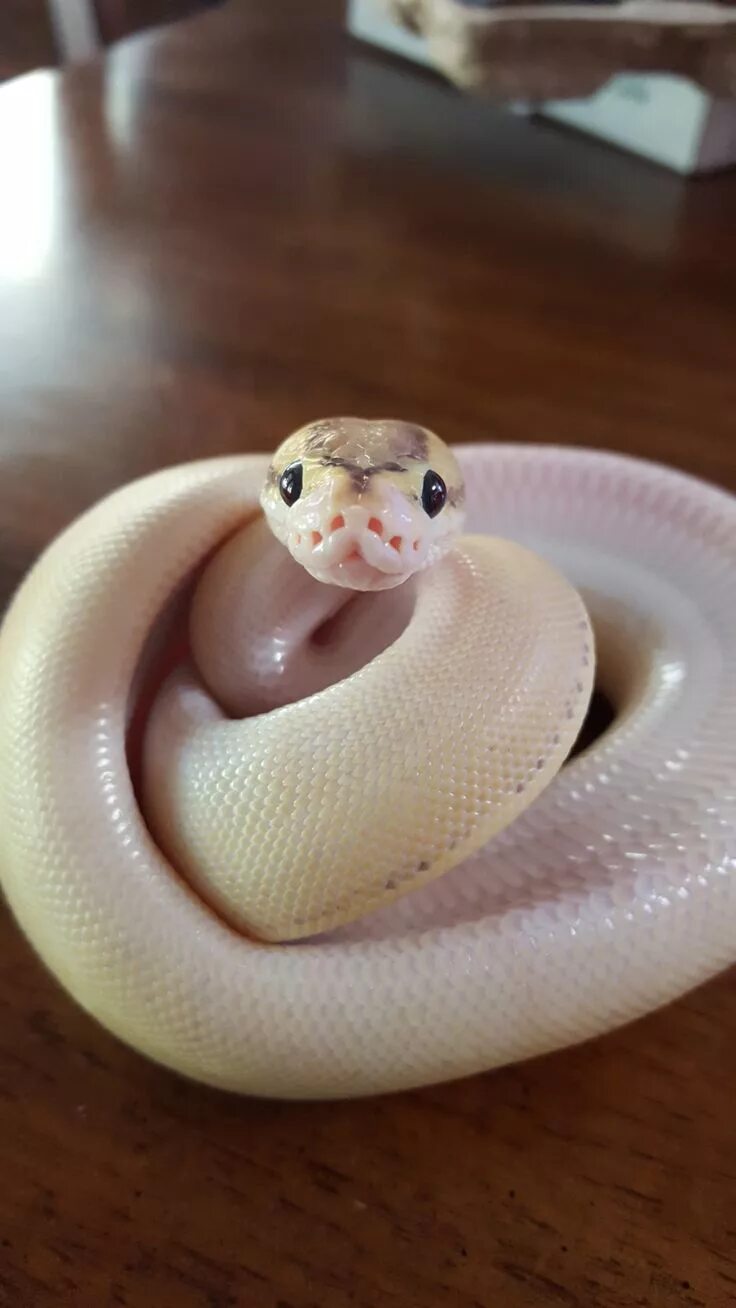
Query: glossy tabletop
227	228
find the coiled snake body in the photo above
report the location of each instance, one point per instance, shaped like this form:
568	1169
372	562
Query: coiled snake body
312	835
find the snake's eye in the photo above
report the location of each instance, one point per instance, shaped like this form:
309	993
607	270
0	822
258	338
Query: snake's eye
434	493
290	483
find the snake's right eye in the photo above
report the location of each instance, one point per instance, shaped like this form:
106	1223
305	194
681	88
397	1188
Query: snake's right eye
290	483
434	493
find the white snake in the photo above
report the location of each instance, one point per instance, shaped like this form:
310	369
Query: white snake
298	849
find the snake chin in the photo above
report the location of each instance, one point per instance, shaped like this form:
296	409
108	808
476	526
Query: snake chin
364	569
355	573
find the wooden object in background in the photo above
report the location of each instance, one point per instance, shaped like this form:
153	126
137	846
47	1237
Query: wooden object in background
119	18
45	33
26	37
234	225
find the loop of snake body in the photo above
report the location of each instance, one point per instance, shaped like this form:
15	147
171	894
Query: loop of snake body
287	800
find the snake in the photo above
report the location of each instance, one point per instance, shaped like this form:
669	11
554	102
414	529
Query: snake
297	793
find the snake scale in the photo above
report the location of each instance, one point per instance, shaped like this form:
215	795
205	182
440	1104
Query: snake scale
287	798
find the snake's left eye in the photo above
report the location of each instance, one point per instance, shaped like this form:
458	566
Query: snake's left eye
290	483
434	493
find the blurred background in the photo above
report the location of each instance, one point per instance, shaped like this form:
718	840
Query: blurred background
221	220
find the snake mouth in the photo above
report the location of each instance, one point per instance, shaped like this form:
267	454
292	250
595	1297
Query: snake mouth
355	572
360	547
345	559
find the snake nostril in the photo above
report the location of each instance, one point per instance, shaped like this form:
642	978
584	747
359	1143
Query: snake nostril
375	524
316	539
416	544
337	522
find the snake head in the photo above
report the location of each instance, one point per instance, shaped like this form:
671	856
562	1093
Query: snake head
364	504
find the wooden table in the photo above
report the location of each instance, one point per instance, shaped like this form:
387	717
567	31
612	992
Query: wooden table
228	228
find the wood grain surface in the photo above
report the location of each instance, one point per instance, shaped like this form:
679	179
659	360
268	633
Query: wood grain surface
230	227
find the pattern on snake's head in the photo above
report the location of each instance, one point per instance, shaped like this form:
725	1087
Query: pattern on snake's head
364	504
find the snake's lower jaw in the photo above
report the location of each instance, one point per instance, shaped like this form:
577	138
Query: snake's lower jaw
356	574
357	565
355	571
